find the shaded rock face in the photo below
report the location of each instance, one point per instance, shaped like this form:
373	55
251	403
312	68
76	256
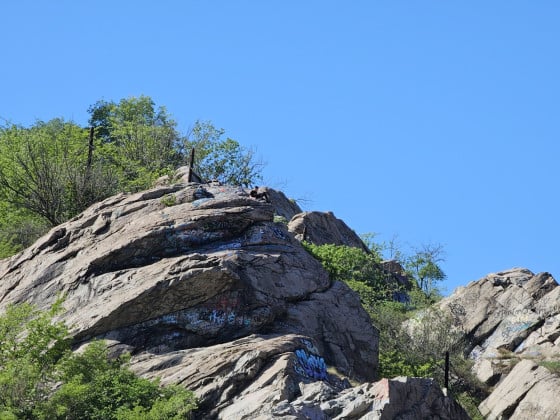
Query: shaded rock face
322	228
201	286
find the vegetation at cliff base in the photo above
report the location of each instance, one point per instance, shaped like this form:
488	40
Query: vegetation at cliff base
41	378
414	334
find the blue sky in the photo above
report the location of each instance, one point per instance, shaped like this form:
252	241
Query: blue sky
436	121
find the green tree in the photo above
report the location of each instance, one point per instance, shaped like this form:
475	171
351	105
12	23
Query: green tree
30	346
424	267
51	171
139	140
40	378
145	143
97	387
44	169
221	159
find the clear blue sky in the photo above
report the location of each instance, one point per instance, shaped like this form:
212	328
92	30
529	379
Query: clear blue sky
437	121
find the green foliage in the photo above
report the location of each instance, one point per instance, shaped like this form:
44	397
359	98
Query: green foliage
422	264
414	342
51	171
552	365
175	403
470	404
30	346
393	363
406	351
223	160
168	200
424	267
40	378
414	336
44	170
399	355
97	387
136	139
359	269
280	219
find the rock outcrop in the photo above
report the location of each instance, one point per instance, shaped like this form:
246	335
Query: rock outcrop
398	398
511	321
324	228
204	289
282	205
513	311
529	391
321	228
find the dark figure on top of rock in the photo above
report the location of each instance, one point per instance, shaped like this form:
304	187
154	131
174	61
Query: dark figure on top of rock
259	195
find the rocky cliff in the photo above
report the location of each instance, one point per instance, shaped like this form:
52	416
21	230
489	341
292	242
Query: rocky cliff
511	322
204	289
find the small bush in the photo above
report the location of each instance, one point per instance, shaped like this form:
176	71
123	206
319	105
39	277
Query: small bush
280	219
470	404
168	200
552	365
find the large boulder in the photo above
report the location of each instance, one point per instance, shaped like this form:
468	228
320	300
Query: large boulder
322	228
511	323
513	311
282	205
203	288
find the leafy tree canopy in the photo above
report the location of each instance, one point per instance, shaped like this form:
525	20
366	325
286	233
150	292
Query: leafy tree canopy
53	170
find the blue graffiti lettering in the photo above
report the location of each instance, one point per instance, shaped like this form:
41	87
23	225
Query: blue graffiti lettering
311	365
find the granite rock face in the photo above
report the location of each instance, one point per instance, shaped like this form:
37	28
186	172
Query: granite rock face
324	228
529	391
399	398
513	311
192	269
204	289
511	322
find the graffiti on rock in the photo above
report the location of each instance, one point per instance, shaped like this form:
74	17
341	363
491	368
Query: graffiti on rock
278	232
514	328
309	346
223	318
310	365
226	310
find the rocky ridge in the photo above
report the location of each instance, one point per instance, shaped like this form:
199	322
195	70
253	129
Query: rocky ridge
511	322
204	289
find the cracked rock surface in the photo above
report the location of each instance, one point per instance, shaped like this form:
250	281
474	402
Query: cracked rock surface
205	290
181	276
511	320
